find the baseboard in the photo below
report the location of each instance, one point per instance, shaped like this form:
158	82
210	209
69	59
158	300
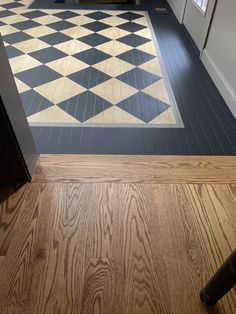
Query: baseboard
220	81
176	10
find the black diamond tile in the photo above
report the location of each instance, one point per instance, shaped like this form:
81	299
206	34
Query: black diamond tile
16	37
47	54
98	15
129	16
55	38
25	25
38	76
94	39
92	56
12	52
12	5
96	26
89	77
84	106
143	106
135	57
59	26
34	14
66	15
34	102
133	40
138	78
131	27
6	13
1	23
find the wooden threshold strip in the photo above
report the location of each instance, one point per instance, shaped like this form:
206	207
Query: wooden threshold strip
135	169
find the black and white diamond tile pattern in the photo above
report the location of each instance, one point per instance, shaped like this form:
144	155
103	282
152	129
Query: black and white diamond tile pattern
85	67
47	54
30	98
34	14
133	40
96	26
138	78
92	56
13	52
85	106
65	15
16	37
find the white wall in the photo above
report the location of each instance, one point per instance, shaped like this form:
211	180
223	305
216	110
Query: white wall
178	8
219	56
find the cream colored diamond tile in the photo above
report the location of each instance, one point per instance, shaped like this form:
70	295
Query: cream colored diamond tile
142	21
30	45
140	12
76	32
148	48
166	117
39	31
114	47
73	46
152	66
47	19
113	115
14	19
114	90
115	12
67	65
76	11
20	10
144	33
22	87
158	90
82	12
25	2
113	66
113	33
80	20
23	63
59	90
118	12
7	29
4	2
52	114
113	20
51	11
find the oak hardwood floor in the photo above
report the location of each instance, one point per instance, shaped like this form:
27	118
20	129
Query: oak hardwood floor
117	238
135	169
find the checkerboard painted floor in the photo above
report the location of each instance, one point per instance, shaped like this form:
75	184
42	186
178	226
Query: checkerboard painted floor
87	68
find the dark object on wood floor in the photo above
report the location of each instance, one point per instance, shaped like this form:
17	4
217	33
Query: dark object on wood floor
222	281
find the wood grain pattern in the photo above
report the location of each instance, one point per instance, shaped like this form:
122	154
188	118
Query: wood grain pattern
103	224
114	247
63	272
188	244
136	169
11	198
99	290
145	290
21	251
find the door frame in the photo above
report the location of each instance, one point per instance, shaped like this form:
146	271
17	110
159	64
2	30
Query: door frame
18	149
199	53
